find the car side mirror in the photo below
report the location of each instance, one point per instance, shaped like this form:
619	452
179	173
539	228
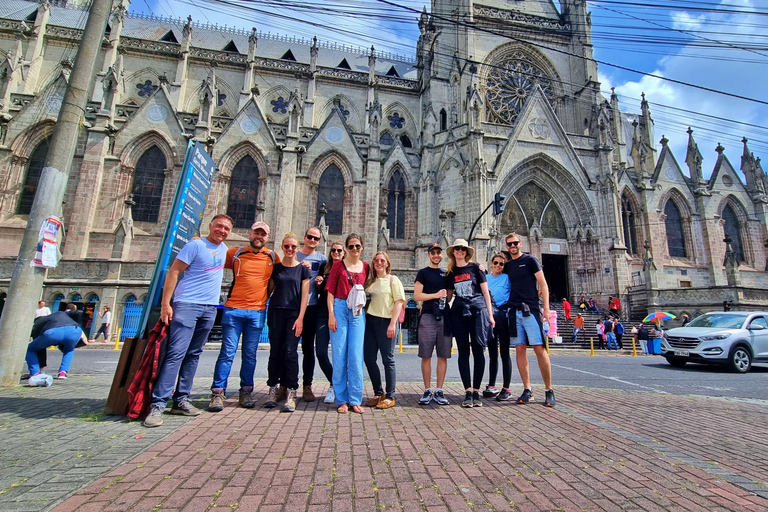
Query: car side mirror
756	327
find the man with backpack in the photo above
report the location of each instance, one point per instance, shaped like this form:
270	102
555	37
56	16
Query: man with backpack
244	314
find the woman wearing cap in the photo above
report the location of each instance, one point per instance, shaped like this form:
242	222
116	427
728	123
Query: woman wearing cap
470	320
346	321
323	335
387	300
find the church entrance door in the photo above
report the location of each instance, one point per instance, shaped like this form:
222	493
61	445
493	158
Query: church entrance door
556	274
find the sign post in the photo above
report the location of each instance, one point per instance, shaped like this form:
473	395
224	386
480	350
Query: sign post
183	223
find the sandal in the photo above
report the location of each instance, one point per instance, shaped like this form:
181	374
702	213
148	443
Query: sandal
343	409
357	409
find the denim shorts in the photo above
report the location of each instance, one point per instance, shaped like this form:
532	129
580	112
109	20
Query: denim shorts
527	327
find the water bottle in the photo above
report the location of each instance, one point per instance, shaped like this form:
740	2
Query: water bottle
441	303
546	327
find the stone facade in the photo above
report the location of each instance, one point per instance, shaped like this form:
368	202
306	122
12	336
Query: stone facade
404	151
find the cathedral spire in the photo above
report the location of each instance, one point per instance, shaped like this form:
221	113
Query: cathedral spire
752	172
646	123
693	158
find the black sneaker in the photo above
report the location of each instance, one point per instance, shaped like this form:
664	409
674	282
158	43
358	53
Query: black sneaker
526	397
476	402
490	391
426	397
549	400
468	402
440	398
504	396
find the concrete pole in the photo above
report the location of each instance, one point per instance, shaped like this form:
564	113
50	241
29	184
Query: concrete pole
27	282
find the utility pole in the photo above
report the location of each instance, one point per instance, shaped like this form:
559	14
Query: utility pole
27	282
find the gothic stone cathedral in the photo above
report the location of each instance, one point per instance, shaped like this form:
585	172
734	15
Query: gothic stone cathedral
403	152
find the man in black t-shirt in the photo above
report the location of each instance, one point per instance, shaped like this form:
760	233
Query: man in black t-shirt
430	288
526	278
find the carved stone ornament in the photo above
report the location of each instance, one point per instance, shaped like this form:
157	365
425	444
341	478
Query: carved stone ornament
539	128
157	114
250	124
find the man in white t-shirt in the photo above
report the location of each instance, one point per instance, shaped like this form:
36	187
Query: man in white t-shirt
190	317
42	310
106	320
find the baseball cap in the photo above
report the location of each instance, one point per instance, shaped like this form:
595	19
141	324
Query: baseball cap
434	245
260	224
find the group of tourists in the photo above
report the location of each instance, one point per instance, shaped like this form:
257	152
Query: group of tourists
355	306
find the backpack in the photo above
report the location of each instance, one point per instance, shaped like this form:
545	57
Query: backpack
234	274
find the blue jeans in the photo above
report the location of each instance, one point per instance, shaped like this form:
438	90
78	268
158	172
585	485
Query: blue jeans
610	337
234	322
527	326
190	328
347	351
576	332
65	338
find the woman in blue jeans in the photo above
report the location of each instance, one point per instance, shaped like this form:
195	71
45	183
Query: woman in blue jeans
322	334
59	330
346	321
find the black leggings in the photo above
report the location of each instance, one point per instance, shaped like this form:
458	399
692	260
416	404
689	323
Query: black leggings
464	331
308	344
500	340
322	340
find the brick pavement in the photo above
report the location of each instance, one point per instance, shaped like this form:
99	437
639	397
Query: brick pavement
599	451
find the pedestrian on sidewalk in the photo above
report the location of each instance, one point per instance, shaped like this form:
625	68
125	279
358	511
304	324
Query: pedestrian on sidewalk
619	329
289	286
578	326
381	322
244	314
525	318
643	336
471	319
610	335
191	317
106	319
346	321
430	287
42	309
314	261
567	308
498	344
323	334
600	328
60	329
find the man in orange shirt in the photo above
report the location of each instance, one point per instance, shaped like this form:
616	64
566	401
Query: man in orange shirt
578	325
245	313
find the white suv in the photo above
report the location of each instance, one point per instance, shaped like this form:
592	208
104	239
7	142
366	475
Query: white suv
734	338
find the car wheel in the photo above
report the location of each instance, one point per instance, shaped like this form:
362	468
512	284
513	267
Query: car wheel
677	363
740	360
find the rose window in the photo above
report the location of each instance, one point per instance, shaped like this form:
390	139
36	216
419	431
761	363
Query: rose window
509	86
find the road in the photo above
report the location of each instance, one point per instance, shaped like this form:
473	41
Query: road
643	373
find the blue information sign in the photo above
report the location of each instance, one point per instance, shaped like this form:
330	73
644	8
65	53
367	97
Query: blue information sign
184	222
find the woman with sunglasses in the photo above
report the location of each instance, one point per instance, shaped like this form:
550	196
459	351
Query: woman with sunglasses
387	301
346	322
289	290
498	344
323	335
471	322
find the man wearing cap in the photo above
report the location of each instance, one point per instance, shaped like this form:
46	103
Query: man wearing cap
190	317
430	287
244	314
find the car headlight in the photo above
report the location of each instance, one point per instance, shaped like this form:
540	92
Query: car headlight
715	337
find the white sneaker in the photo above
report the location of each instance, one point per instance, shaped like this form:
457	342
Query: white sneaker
330	396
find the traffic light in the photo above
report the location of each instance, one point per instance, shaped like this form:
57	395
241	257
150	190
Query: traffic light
498	204
726	306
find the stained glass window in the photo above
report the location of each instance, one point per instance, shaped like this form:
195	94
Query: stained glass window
509	86
675	235
386	139
406	141
396	206
733	230
330	192
148	184
244	192
31	180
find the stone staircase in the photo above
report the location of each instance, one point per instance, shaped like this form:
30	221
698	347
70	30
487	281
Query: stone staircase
565	329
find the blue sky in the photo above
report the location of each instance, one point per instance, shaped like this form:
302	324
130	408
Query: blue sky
686	44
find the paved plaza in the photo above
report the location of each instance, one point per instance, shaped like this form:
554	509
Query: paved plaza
598	450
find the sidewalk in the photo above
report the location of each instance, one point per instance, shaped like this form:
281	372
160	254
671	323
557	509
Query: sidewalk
599	450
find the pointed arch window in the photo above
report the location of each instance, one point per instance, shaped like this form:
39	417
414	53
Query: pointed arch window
675	234
628	221
406	141
244	192
386	139
733	230
148	182
396	206
32	179
330	192
443	120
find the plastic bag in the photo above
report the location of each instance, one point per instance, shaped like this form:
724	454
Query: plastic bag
40	380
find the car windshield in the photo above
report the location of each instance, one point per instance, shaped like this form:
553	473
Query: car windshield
724	321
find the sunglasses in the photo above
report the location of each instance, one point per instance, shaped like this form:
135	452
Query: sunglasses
460	249
355	247
334	251
290	247
515	243
312	237
498	263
